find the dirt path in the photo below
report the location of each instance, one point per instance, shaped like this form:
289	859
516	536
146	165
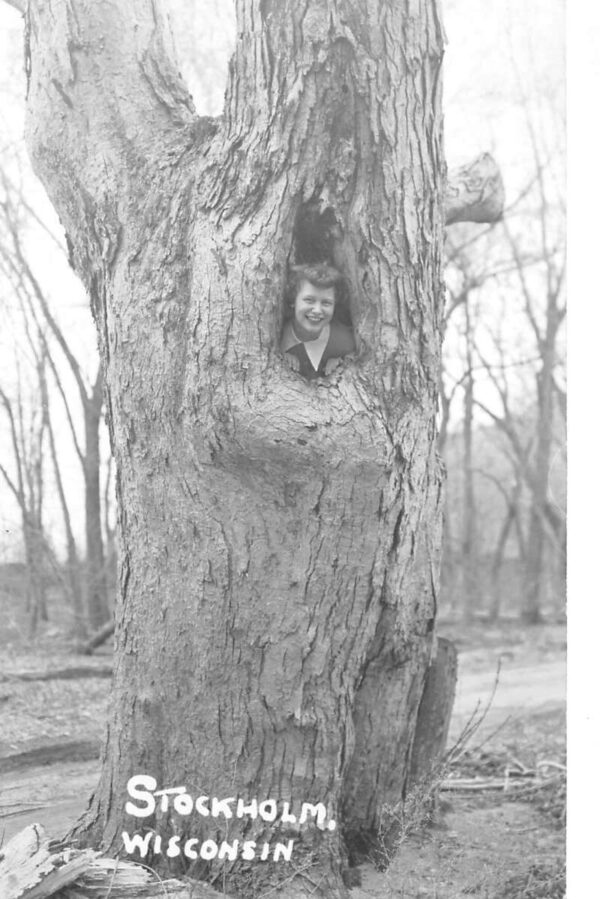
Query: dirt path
51	795
55	795
519	690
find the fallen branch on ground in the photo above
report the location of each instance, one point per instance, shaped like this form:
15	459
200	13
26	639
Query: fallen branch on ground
514	781
73	673
97	639
69	751
29	870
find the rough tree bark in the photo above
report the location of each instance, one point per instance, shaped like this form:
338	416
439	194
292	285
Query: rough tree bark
278	539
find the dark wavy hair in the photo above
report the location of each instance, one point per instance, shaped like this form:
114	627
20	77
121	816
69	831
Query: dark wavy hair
321	274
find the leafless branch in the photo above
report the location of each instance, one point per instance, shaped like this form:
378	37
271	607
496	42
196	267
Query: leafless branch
10	483
524	286
23	265
9	186
63	395
15	444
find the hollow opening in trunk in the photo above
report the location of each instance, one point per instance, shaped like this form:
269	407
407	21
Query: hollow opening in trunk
317	330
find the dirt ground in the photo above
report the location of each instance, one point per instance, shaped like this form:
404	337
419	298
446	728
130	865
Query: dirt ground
505	842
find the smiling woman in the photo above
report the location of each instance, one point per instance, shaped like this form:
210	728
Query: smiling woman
315	336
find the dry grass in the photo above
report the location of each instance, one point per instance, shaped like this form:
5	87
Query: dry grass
539	882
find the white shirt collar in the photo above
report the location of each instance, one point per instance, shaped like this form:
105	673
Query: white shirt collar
314	348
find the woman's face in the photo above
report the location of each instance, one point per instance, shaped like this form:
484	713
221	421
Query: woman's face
313	309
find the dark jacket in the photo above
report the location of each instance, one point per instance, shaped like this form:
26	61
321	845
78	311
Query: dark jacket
339	343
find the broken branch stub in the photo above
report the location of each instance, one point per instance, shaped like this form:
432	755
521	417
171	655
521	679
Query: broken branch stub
475	192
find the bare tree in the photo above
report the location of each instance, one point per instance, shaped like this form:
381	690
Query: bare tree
27	428
511	521
469	539
73	566
546	329
530	436
17	267
514	274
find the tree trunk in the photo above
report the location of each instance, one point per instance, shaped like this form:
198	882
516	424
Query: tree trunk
35	558
497	584
536	541
469	512
279	539
73	568
433	722
33	595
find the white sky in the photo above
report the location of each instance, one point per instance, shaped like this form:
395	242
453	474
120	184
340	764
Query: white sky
496	50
